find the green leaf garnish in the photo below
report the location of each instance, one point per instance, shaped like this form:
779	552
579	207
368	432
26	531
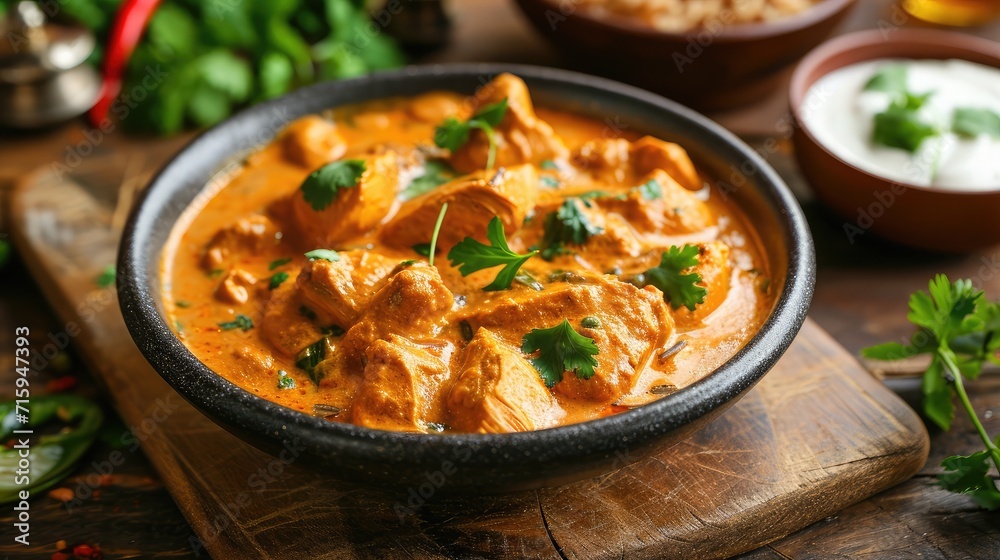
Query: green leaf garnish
561	349
436	173
284	381
650	190
183	304
452	134
322	186
568	225
422	249
107	277
310	357
891	78
900	126
971	475
323	254
471	255
973	122
961	330
549	165
678	289
276	279
550	182
241	322
278	263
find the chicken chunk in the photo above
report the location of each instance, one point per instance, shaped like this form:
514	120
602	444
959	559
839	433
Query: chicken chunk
246	236
412	301
250	364
473	200
312	142
606	160
498	391
340	290
355	210
434	107
521	136
660	204
234	287
399	386
648	154
634	324
284	325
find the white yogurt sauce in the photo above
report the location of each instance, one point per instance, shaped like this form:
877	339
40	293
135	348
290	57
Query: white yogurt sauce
840	115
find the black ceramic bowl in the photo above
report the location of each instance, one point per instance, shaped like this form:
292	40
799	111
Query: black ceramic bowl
499	462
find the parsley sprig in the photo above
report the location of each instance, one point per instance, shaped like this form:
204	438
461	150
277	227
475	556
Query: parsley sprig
471	255
678	289
561	349
961	331
323	185
453	133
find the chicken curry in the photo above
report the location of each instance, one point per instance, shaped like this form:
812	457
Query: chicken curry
447	263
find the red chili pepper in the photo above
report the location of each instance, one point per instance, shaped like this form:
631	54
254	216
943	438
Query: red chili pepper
130	22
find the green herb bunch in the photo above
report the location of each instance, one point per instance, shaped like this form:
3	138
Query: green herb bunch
960	329
199	60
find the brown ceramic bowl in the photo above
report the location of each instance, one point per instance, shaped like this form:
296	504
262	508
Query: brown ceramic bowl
709	69
927	218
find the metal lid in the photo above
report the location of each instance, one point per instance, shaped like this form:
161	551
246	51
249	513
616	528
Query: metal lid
36	48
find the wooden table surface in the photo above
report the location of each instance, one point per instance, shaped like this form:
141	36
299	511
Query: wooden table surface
860	299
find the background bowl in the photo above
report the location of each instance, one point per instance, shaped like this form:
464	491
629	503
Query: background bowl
498	462
708	68
922	217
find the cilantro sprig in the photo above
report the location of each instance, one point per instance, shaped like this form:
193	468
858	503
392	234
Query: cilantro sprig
560	349
568	225
453	133
323	185
678	289
961	331
902	126
471	255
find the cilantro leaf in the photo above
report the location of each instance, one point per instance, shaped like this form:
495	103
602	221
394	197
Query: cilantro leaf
678	289
322	186
888	351
436	173
970	475
561	349
962	329
471	255
492	114
107	277
284	381
900	126
452	134
241	322
650	190
278	263
568	225
277	279
323	254
891	78
310	357
973	122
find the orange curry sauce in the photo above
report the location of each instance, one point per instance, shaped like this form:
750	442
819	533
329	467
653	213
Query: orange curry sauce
415	347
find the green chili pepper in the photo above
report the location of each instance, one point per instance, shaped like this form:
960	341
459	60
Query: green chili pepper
53	455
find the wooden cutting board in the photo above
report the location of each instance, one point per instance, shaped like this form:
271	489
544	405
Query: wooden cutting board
816	435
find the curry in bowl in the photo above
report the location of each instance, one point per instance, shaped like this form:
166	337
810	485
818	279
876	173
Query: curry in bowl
446	263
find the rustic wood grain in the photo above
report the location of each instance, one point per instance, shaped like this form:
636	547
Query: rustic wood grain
817	435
